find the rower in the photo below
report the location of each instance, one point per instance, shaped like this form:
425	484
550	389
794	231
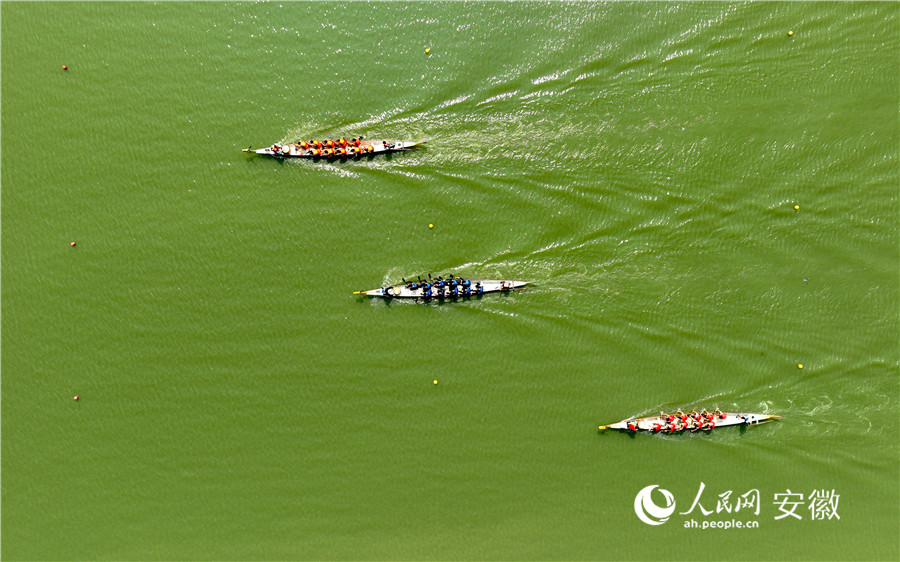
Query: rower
711	425
479	290
656	427
370	149
632	426
718	413
343	142
315	143
387	144
329	143
303	144
357	141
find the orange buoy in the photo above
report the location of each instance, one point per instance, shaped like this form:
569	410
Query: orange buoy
76	398
72	244
65	67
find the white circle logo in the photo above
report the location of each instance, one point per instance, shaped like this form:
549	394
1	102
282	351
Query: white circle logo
649	512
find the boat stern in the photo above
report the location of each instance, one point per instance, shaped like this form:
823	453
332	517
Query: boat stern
756	419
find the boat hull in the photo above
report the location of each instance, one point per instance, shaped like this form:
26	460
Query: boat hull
296	151
658	424
477	287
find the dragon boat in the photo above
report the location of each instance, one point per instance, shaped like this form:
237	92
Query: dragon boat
440	288
693	421
332	150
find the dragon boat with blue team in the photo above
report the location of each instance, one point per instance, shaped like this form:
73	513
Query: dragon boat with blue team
694	421
334	149
439	288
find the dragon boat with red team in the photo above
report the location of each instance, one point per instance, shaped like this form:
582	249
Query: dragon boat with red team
333	149
693	421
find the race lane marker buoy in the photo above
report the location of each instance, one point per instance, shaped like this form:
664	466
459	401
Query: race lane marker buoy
72	244
800	365
796	207
791	32
76	398
65	67
427	50
435	381
430	225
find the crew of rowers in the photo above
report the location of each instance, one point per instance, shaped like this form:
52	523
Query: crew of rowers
679	421
328	148
441	288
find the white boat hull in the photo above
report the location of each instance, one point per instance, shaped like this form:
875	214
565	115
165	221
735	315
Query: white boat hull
296	151
659	424
476	288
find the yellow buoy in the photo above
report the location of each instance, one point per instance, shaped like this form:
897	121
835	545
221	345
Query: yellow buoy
791	32
435	381
800	366
796	207
430	225
429	50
